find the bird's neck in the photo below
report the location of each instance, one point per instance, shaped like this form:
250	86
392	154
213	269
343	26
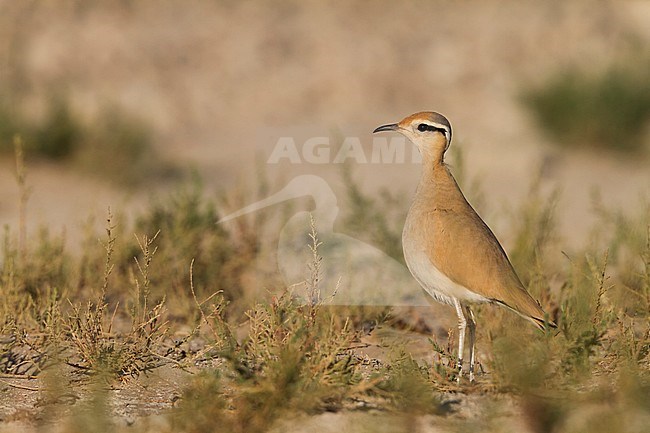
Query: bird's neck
437	185
434	170
433	162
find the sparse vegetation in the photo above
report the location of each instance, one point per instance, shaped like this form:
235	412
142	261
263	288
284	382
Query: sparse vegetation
174	295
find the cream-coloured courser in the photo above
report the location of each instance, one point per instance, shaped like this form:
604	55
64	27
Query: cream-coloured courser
448	248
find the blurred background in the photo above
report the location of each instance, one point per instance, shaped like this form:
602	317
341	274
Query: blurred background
119	101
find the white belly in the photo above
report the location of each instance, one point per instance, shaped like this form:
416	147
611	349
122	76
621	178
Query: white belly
432	280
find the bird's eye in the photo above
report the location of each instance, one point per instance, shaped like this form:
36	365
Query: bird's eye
423	127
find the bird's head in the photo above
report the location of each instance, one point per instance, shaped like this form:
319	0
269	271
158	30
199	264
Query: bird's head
428	130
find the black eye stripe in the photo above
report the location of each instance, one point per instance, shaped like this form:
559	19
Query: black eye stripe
426	127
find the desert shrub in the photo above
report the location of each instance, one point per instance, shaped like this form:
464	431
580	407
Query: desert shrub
600	351
56	136
8	127
91	328
59	133
115	145
609	110
188	232
296	357
119	146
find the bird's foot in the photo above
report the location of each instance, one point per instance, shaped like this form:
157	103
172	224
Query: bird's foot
459	367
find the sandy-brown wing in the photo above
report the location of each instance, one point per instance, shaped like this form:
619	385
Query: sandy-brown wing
463	247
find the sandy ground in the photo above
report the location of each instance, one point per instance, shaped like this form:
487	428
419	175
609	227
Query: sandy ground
143	402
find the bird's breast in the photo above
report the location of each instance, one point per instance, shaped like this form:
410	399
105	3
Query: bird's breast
419	241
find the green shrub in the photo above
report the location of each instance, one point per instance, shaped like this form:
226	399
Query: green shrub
8	128
56	136
610	110
115	145
59	135
119	147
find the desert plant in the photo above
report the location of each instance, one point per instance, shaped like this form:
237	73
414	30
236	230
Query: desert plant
56	136
609	110
99	347
119	146
115	145
295	357
187	222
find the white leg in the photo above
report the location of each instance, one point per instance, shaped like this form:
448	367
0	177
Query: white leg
462	325
471	324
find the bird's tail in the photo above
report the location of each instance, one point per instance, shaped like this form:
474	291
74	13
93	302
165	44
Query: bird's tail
543	323
539	318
